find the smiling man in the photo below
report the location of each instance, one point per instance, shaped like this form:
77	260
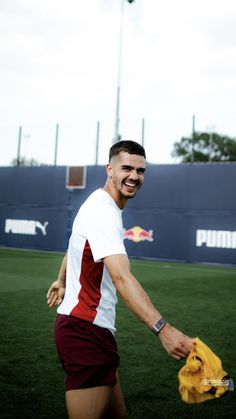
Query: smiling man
95	267
125	171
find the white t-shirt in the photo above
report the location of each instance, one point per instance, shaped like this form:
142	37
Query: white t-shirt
97	232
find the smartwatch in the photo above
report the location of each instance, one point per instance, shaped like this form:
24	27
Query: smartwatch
156	328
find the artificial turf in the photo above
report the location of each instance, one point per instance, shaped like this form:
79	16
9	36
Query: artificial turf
198	299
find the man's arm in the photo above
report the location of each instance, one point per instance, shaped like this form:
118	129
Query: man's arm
175	342
56	291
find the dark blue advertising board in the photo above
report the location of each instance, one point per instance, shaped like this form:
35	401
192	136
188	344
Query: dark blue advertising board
184	212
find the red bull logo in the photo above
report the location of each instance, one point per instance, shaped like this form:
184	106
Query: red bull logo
138	234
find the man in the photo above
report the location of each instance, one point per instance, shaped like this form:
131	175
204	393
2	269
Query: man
95	267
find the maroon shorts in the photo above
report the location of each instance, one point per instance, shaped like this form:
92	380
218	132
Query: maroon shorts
87	352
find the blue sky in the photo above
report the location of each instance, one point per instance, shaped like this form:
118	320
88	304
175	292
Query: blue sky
59	62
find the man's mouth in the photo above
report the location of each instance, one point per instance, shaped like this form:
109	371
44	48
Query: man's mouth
130	185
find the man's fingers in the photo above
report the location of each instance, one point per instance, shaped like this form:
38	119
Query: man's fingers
182	354
52	299
188	344
50	296
179	354
49	293
183	350
177	357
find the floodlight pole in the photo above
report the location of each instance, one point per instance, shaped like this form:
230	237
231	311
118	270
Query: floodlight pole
117	135
193	139
117	115
97	142
143	132
56	144
19	146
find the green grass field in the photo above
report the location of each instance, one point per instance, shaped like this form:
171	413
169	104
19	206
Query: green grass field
200	300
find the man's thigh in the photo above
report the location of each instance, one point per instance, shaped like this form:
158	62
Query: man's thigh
102	402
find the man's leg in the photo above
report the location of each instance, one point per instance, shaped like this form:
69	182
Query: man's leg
96	402
116	408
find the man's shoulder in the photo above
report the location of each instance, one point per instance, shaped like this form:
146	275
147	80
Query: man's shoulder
94	201
96	196
99	197
100	203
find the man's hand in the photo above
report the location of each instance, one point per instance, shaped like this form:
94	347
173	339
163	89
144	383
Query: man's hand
55	294
175	342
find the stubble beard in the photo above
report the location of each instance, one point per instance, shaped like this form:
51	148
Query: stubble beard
128	196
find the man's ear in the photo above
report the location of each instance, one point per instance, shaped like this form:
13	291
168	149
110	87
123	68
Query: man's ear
109	170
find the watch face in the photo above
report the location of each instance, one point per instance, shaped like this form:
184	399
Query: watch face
158	325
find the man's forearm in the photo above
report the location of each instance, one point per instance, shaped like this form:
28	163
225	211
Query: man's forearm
62	272
174	341
137	300
133	294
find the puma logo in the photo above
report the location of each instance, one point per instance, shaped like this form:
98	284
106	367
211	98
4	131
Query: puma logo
27	227
42	227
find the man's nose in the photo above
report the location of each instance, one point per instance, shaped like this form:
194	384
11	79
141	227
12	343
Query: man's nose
134	175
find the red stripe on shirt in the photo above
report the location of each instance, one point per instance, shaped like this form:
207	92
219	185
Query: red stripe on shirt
90	279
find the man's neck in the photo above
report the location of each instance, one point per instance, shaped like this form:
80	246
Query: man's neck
119	200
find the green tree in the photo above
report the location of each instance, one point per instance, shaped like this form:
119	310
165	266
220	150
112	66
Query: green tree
205	147
25	162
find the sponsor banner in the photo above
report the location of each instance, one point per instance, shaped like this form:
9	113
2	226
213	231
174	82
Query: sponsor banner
34	228
138	234
27	227
220	239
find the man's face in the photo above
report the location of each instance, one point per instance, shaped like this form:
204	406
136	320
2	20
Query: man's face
126	174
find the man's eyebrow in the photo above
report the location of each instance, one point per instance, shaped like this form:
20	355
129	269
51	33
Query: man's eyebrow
139	169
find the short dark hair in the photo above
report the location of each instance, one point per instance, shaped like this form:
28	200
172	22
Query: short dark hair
130	147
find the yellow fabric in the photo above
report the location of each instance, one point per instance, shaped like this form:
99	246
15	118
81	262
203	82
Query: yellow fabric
202	373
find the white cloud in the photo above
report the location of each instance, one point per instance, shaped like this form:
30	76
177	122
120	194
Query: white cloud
59	60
